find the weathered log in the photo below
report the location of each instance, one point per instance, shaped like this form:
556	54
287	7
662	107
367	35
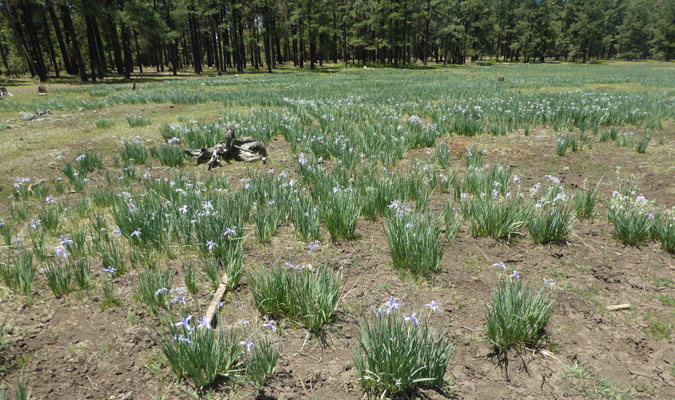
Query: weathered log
213	307
245	149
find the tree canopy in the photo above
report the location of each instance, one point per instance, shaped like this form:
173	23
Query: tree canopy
95	38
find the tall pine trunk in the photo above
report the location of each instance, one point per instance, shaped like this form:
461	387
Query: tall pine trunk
102	62
126	47
50	46
3	54
194	39
70	31
138	53
93	57
33	40
59	38
117	47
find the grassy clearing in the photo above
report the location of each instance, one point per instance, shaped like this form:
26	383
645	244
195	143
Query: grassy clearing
415	160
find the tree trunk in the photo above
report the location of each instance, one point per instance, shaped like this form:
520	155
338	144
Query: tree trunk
33	40
138	53
301	55
226	53
194	39
117	48
59	38
242	47
126	47
70	31
344	40
312	38
102	62
294	32
93	57
277	42
268	56
3	54
50	46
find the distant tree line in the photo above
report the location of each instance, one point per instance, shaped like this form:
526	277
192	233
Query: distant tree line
95	38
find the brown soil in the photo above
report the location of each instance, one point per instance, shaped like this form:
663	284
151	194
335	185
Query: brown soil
70	349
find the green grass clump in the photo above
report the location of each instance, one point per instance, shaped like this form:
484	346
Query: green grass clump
414	241
306	297
104	123
609	134
82	273
138	120
631	226
607	389
394	356
625	140
442	155
664	229
453	221
261	361
517	317
88	162
152	287
575	371
562	144
112	255
551	224
103	197
306	223
340	213
7	232
4	340
198	354
500	218
134	153
473	157
641	145
190	277
585	202
50	217
59	278
19	272
169	156
493	178
267	219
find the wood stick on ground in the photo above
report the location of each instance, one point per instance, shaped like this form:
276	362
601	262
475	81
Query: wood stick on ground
222	288
618	307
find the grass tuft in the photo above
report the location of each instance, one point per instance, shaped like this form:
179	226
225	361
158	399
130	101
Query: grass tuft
517	316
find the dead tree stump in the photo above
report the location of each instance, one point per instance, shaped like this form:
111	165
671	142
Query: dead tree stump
245	149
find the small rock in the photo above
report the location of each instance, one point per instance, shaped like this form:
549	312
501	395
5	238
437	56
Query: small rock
26	116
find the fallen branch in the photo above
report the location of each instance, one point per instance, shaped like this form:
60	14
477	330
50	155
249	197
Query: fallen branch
222	288
618	307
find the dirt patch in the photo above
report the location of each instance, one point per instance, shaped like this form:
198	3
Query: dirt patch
72	349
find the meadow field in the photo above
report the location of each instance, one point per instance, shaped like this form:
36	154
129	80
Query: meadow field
415	233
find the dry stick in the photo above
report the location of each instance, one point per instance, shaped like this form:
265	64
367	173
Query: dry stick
618	307
486	257
584	243
222	288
